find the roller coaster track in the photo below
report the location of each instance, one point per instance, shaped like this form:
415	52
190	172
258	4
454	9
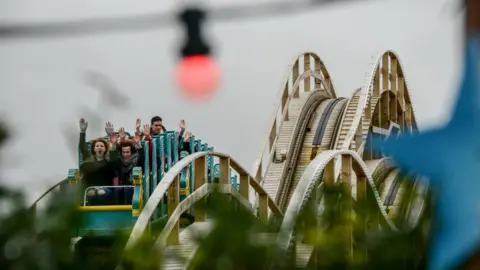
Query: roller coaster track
313	139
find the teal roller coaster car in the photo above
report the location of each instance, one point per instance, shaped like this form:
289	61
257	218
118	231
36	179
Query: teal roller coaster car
105	220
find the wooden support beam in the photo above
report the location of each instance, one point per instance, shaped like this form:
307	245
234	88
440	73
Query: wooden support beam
346	172
346	179
385	114
329	183
359	135
393	109
368	110
200	180
263	208
376	83
284	102
394	74
245	185
316	67
311	222
408	117
361	217
173	201
367	153
306	67
296	94
329	173
361	188
401	99
224	170
385	71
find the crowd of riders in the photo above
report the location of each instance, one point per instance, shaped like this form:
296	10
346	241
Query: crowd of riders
107	166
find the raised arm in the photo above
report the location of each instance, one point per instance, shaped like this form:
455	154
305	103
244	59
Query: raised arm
82	143
182	127
122	135
113	152
109	129
146	133
186	143
148	138
138	125
141	153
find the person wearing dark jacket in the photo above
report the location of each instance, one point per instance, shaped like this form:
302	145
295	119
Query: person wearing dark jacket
155	128
96	169
132	155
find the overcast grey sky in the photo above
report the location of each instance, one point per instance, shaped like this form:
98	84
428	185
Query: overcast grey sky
43	90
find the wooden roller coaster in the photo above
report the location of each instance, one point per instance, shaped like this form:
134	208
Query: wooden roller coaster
314	139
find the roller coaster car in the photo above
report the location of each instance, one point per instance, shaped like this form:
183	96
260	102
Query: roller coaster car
106	220
107	217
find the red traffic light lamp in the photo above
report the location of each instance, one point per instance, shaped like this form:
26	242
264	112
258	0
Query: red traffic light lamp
197	74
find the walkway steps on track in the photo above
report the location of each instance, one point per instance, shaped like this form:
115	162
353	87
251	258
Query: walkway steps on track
350	113
328	138
175	256
303	255
275	170
306	151
366	122
307	143
303	251
348	119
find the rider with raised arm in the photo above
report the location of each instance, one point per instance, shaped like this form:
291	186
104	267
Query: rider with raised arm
132	155
96	167
157	128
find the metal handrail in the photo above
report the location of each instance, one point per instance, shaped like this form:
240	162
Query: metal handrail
48	191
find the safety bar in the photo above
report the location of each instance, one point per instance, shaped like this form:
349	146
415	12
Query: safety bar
100	187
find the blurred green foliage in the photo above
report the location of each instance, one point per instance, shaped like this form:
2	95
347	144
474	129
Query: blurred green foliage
41	239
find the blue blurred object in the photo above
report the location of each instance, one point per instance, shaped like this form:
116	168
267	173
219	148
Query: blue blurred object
450	158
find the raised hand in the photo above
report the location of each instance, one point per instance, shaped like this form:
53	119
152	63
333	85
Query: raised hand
109	128
182	124
138	125
146	129
83	125
187	136
137	138
122	134
113	138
